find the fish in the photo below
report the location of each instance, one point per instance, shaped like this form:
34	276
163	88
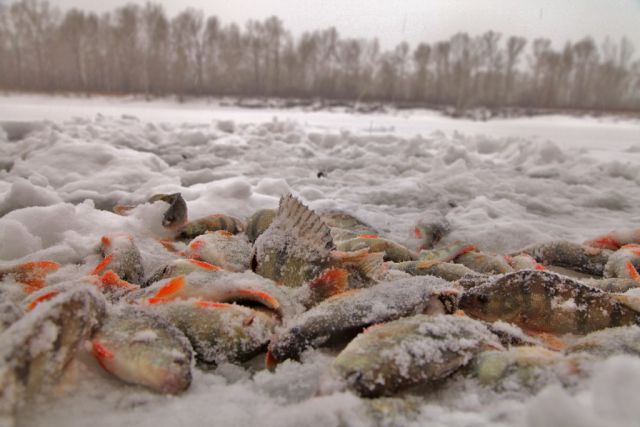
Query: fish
483	262
215	222
524	262
429	233
36	349
258	223
617	285
220	286
220	332
346	221
410	351
348	313
609	342
624	263
30	274
297	248
616	239
221	248
120	255
392	250
571	255
530	367
176	215
179	267
445	270
545	302
447	253
142	348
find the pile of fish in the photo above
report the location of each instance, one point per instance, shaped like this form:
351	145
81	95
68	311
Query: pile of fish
400	320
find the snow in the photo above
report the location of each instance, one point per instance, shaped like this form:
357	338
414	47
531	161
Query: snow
501	184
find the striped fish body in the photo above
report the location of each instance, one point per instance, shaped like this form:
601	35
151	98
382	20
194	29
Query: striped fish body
545	302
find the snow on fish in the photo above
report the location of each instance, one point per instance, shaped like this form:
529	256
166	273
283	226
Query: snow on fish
348	313
410	351
221	248
142	348
297	248
36	349
544	302
120	255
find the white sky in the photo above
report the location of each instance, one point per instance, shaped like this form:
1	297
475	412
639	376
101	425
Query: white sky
422	20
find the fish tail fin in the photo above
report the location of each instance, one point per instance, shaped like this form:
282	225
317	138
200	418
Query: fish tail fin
331	282
122	209
32	273
371	265
168	291
633	273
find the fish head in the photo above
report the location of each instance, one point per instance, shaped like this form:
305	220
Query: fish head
490	304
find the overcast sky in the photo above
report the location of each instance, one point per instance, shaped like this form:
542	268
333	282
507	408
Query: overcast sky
422	20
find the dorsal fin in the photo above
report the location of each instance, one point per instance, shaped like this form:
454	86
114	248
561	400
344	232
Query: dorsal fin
304	225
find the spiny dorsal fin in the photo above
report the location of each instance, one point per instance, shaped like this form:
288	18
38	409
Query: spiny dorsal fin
304	225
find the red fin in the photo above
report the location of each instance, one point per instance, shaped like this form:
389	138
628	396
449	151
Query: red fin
205	265
368	236
195	247
261	296
608	241
103	264
633	273
270	361
168	290
169	245
105	240
41	298
417	232
101	352
459	313
32	273
224	233
549	340
331	282
539	267
209	304
111	279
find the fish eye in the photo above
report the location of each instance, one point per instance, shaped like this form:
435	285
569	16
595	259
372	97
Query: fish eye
483	298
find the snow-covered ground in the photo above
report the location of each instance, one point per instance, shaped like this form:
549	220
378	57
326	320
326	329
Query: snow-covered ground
502	184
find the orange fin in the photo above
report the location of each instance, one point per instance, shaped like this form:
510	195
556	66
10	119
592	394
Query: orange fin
32	273
195	247
103	264
210	304
270	361
549	340
101	352
166	292
607	241
205	265
368	236
111	280
224	233
260	296
41	298
417	232
331	282
633	273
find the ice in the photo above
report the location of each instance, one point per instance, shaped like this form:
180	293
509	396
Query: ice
502	184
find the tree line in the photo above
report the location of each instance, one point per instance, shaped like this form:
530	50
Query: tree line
139	49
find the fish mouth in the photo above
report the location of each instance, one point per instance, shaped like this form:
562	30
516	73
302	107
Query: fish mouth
254	299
